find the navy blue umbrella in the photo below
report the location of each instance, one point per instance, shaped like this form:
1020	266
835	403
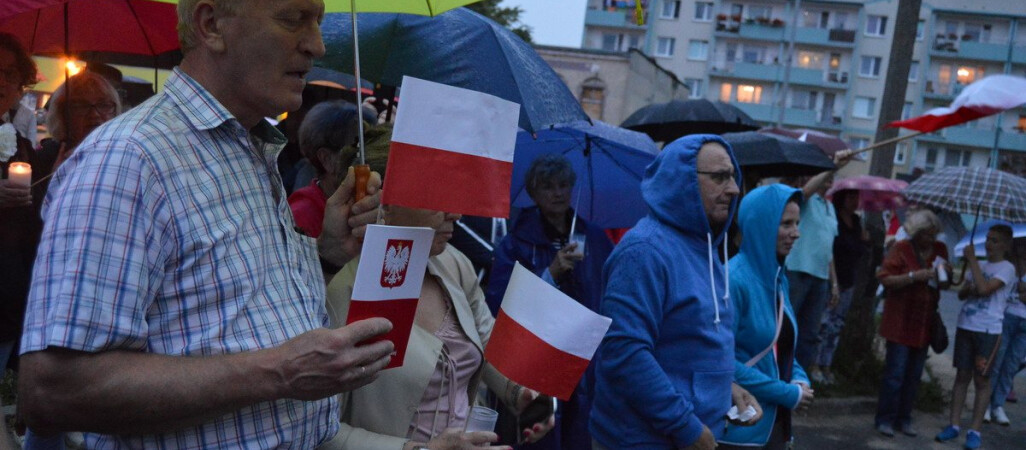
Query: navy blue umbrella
609	161
459	48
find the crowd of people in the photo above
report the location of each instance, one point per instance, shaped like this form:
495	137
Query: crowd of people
165	286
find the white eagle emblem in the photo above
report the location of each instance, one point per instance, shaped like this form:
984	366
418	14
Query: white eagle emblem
397	258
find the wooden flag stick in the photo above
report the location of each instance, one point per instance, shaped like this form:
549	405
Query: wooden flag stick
886	142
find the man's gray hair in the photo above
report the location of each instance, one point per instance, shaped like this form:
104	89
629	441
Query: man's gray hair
186	21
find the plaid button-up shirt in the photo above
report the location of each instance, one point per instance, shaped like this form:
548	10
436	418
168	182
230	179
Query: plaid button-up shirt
168	232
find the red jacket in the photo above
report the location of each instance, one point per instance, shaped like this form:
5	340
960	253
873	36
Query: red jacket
308	208
909	311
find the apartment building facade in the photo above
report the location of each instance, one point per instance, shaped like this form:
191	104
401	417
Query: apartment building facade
737	51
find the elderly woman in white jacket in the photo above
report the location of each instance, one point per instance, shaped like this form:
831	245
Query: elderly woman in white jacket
425	402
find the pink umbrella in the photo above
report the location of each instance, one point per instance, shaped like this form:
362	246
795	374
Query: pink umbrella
875	193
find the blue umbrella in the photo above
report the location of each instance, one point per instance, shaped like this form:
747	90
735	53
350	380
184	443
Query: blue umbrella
609	161
980	236
459	48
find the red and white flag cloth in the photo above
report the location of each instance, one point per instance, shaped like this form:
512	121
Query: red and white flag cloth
988	96
542	338
393	262
452	150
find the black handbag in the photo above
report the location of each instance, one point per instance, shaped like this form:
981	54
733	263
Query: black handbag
938	334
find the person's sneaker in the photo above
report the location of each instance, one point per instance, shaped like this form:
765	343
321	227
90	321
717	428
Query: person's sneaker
1000	417
909	430
885	429
829	379
986	416
973	440
948	433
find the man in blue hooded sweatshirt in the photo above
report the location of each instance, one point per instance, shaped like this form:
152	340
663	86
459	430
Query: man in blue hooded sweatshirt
665	370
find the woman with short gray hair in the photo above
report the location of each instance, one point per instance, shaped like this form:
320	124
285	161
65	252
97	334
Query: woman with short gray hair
540	240
910	310
327	138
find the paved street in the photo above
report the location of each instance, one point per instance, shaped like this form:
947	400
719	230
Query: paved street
847	423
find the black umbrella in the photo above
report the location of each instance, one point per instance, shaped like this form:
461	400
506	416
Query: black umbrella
668	121
772	155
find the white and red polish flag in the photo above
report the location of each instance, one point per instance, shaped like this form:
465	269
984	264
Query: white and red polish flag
389	278
542	338
987	96
451	150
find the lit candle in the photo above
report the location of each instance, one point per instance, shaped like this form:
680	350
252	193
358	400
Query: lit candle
20	173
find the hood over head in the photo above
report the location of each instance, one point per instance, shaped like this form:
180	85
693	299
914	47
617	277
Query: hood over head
670	187
759	221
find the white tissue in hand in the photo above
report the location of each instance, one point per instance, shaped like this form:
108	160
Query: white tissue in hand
8	142
743	417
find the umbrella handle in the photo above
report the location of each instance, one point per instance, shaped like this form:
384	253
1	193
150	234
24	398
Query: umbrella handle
362	172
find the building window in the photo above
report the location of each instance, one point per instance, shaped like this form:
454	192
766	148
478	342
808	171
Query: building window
858	142
957	158
901	153
703	11
973	32
864	107
876	25
805	100
965	75
759	12
749	94
931	159
635	41
754	54
664	46
906	110
913	71
698	50
725	92
694	87
810	60
1020	126
593	96
671	9
610	42
870	66
920	26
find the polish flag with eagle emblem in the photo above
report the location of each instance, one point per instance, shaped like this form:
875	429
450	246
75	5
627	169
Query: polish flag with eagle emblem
393	262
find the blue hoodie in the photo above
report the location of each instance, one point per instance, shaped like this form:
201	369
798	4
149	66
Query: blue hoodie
665	367
755	275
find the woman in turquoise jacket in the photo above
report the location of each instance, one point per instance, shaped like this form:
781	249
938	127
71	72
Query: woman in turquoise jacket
764	325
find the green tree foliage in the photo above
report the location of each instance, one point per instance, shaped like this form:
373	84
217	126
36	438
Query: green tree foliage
507	17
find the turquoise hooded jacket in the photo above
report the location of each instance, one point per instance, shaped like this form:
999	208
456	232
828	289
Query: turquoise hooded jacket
756	279
665	368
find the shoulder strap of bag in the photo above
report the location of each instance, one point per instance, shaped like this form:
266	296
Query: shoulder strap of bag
780	321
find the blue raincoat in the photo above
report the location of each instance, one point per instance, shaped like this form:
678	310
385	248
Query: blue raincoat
757	280
665	367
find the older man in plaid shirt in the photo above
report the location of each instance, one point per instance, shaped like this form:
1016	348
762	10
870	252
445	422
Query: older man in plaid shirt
173	303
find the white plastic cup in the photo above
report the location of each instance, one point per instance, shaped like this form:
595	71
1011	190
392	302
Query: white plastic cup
481	419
